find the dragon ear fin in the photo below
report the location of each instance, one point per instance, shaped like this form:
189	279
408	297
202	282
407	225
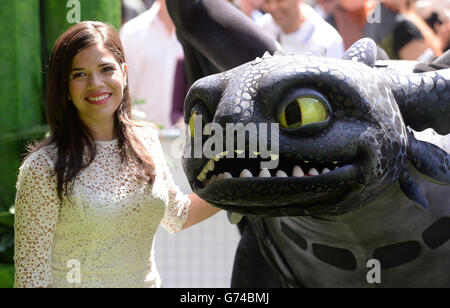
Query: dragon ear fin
443	61
412	191
364	51
430	161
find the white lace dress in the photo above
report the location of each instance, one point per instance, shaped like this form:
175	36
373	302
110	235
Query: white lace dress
103	236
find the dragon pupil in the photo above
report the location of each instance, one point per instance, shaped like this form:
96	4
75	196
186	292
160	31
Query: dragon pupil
293	113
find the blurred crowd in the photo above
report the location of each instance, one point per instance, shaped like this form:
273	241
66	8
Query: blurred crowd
403	29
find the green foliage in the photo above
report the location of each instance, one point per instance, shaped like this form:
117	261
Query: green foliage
6	276
6	237
6	219
6	250
21	87
35	132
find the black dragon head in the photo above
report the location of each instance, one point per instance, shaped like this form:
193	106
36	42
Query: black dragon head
339	131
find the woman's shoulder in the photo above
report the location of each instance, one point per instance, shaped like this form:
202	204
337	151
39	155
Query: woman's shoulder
146	131
43	158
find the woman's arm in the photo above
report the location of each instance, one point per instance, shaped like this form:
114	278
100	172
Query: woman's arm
36	207
412	50
199	210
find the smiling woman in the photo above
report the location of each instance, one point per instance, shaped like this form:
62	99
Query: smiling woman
96	88
95	191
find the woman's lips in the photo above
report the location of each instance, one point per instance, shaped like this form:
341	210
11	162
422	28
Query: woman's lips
98	99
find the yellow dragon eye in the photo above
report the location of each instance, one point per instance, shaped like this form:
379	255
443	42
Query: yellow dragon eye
194	117
303	111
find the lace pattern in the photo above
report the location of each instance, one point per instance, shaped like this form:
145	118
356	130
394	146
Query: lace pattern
107	226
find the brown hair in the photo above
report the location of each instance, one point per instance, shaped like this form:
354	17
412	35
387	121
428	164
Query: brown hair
67	132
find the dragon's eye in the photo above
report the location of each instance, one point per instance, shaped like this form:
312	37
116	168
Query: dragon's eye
303	111
194	118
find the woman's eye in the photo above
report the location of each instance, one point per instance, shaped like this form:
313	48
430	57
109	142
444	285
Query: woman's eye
194	118
303	111
78	75
108	69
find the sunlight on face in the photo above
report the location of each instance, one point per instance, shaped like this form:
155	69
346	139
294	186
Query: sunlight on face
284	12
96	84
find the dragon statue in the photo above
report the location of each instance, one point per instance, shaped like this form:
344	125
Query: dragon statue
362	169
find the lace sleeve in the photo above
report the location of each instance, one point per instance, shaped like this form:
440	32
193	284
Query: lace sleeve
178	207
36	215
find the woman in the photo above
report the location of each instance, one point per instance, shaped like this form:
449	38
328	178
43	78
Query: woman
91	196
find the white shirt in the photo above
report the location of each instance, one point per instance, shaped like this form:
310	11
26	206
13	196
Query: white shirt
151	54
103	236
314	34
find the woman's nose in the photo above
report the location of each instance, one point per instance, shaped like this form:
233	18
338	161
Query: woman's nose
95	80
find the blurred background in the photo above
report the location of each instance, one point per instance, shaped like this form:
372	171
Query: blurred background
203	255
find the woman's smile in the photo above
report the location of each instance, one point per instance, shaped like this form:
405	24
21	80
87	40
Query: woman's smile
99	98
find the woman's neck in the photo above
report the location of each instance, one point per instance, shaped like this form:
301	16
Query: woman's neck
101	131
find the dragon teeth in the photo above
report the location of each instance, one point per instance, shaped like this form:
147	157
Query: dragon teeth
298	172
281	174
245	174
264	173
313	171
227	175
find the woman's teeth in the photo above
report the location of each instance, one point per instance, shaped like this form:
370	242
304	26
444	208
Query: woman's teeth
98	98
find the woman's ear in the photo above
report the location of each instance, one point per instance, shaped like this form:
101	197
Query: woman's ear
124	67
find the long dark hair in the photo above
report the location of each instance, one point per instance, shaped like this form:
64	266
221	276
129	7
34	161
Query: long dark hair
67	132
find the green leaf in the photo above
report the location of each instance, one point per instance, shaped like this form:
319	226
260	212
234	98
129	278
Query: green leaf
7	248
6	241
7	219
138	102
6	276
35	132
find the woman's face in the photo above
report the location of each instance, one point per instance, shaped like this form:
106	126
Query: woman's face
96	84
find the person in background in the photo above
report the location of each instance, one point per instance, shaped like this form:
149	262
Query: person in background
436	41
132	9
299	29
349	17
180	89
437	15
152	51
251	8
389	28
325	7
